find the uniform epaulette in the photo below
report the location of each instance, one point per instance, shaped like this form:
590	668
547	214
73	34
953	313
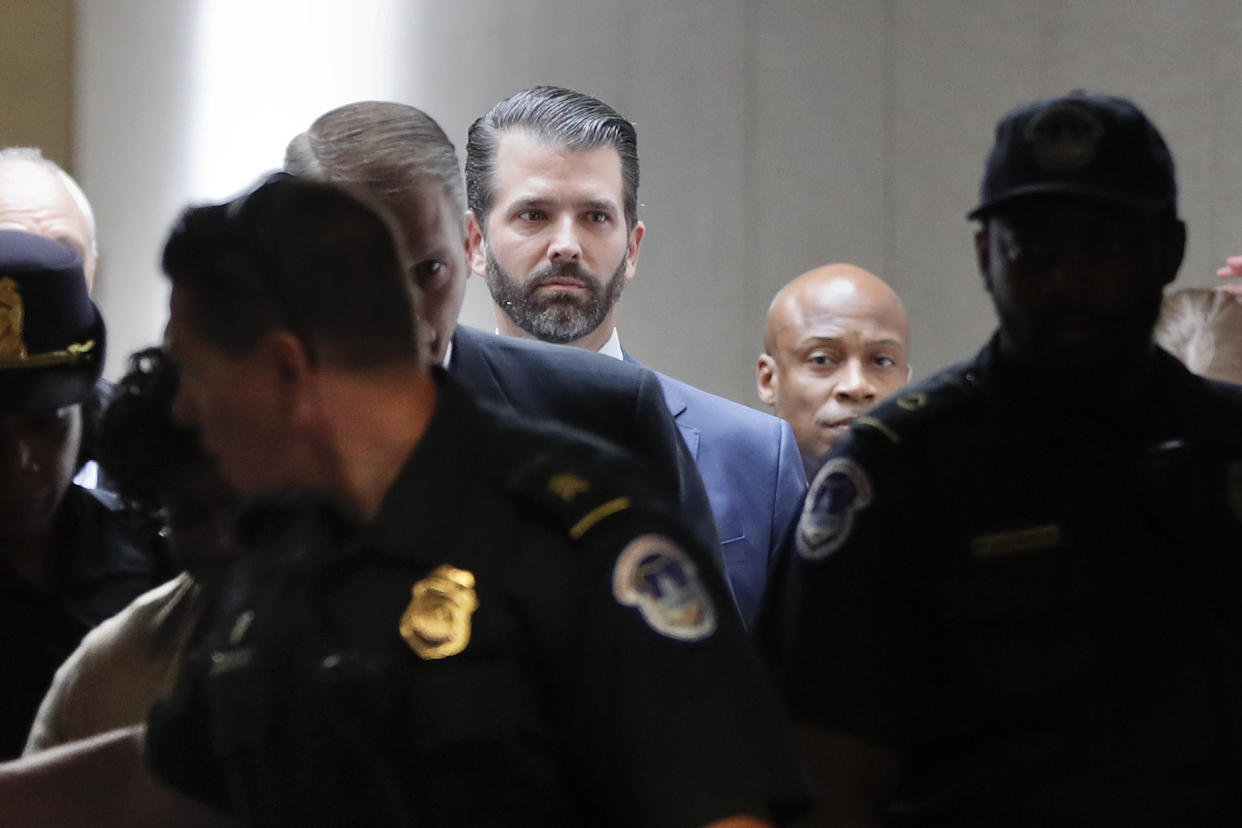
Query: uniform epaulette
574	499
901	414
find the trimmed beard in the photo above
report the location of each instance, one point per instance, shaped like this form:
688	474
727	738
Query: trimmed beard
559	318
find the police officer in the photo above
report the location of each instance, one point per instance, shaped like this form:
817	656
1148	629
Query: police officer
1015	594
450	617
66	561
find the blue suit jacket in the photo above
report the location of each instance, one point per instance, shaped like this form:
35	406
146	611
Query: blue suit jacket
620	402
755	481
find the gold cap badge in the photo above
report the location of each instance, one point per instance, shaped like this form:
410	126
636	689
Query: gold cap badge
437	621
12	314
13	351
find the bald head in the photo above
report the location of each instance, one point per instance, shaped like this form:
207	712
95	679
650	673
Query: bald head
836	343
38	197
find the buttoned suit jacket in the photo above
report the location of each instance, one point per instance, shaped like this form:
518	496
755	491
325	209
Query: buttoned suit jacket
755	480
621	402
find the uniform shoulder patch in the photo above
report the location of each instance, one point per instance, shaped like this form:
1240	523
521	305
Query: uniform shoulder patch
566	493
840	490
655	575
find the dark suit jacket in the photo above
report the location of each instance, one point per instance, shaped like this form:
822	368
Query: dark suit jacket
750	464
618	401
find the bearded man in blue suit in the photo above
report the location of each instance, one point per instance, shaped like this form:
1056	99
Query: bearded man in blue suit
552	185
400	158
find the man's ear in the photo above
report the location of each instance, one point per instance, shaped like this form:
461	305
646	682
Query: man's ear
476	244
983	256
92	278
289	355
766	379
631	250
289	367
465	241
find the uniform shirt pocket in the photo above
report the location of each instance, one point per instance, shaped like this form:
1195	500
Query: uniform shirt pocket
1020	629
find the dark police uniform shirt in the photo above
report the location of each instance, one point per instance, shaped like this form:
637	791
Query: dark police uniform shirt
518	638
100	568
1039	612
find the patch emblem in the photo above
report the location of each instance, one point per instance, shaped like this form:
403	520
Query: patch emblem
655	575
436	624
840	490
1064	137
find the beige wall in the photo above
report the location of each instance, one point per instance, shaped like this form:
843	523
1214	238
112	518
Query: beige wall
36	76
774	136
777	136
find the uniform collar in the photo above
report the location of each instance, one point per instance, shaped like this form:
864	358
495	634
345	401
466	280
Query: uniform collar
1157	404
440	470
1032	390
444	468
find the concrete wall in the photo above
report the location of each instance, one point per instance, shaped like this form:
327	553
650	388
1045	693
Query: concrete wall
131	135
774	136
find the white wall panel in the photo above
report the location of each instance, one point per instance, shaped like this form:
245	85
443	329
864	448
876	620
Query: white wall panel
818	150
775	135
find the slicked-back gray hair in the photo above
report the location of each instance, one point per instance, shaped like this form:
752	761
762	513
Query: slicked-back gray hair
385	149
557	116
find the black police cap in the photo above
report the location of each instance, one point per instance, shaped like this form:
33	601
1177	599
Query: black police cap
1096	147
51	333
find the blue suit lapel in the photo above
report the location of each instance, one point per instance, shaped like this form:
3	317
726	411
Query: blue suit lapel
676	406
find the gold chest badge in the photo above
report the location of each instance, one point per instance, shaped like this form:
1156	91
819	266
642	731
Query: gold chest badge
437	621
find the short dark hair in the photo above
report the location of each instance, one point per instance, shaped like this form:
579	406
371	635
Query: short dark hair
558	116
305	256
385	149
139	445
